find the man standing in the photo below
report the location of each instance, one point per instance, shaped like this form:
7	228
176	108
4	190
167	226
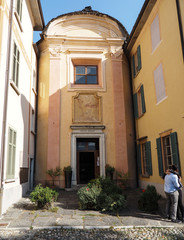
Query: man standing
171	187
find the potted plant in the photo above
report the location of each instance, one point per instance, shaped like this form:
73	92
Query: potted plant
68	176
109	171
53	173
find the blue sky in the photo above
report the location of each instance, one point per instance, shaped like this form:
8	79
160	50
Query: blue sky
126	11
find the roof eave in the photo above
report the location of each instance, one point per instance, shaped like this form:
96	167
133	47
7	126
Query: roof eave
37	14
139	24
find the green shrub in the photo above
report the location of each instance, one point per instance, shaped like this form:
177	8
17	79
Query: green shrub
43	197
101	194
88	197
148	201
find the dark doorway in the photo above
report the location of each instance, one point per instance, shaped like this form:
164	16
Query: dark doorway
86	166
88	162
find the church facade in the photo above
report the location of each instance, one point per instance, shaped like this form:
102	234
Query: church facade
85	113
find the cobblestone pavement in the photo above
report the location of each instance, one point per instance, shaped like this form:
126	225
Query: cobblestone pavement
24	221
95	234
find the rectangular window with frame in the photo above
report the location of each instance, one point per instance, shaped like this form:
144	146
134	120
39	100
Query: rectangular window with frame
155	33
16	65
144	160
159	83
136	62
167	151
139	102
10	170
19	8
86	74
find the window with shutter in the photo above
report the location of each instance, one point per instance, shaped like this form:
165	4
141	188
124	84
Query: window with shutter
144	158
167	151
139	159
175	151
139	102
159	154
136	62
148	158
10	169
136	115
16	64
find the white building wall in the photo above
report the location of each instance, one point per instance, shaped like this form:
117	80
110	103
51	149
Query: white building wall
19	103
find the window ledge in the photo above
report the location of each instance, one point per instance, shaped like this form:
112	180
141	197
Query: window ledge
137	73
140	116
145	175
14	87
74	87
9	180
18	20
155	48
161	100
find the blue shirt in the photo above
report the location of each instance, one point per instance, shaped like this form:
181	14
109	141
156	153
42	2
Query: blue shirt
171	183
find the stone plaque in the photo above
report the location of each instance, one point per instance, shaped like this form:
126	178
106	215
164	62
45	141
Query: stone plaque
86	108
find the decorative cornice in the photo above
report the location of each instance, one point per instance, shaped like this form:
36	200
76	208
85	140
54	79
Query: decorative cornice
78	127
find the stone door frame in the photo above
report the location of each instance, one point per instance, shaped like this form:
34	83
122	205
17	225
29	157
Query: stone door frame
87	132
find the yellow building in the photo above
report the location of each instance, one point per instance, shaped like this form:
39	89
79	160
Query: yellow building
156	50
85	116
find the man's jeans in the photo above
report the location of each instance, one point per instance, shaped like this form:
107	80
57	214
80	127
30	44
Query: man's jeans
172	204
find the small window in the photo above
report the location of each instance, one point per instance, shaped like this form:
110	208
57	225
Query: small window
136	61
144	158
86	74
159	83
16	64
167	151
155	33
19	8
139	103
10	171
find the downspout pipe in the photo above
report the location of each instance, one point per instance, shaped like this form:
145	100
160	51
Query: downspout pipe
4	123
36	110
180	25
131	87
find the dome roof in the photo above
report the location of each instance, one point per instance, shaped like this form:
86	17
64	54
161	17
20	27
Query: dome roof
101	24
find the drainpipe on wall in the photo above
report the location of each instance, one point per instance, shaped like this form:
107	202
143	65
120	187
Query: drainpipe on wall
4	123
180	25
36	107
130	75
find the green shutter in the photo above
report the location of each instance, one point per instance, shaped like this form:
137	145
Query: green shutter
148	158
136	114
139	57
139	159
159	154
10	169
142	99
175	152
133	65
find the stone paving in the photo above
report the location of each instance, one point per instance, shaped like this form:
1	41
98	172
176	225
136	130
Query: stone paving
23	221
